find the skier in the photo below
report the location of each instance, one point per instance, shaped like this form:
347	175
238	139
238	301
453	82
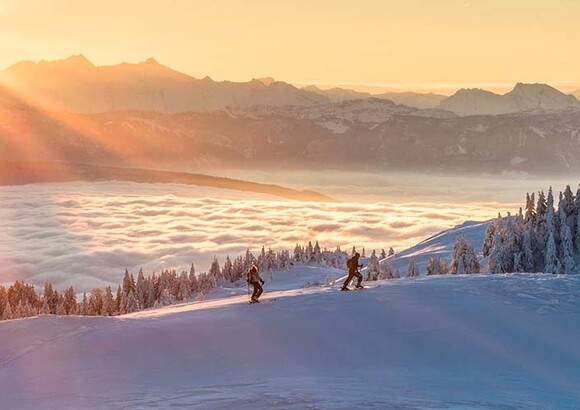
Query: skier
255	280
353	266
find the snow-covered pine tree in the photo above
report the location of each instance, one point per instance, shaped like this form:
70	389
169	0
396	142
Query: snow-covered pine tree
297	256
569	206
166	298
262	260
119	300
567	250
193	282
578	233
412	269
3	300
552	264
317	253
84	310
463	259
140	291
249	260
387	270
7	314
496	256
391	251
215	271
228	270
51	297
530	212
70	301
108	302
383	254
540	233
436	266
373	267
489	238
184	287
96	302
528	258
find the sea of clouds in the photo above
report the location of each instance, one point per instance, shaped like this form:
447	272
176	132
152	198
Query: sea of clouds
86	234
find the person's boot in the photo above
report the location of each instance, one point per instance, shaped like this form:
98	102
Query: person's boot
344	288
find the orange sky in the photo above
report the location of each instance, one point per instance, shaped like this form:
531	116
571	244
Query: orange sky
409	44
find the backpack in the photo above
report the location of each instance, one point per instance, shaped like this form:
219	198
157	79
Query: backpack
349	263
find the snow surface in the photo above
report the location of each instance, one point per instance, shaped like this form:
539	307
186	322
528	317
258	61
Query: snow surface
439	245
459	342
504	341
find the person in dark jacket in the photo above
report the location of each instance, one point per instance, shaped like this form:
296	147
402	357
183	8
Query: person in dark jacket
256	281
353	266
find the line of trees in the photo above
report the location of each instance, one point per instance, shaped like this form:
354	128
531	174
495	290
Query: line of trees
22	300
541	238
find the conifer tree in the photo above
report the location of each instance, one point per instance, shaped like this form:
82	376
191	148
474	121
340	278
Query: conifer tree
552	264
228	270
7	314
140	289
412	269
373	267
69	301
184	287
108	302
567	250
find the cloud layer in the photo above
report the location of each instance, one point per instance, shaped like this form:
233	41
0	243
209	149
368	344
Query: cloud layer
85	234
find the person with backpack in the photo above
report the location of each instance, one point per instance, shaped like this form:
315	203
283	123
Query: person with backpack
256	281
353	265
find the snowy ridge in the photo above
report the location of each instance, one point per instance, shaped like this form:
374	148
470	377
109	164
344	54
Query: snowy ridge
438	245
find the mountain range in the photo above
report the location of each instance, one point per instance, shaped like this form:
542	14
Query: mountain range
411	99
524	97
149	116
347	137
77	85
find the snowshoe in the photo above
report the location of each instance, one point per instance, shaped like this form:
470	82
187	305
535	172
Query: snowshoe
252	301
344	289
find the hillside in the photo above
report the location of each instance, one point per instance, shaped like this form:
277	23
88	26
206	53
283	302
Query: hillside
449	342
19	173
439	245
369	134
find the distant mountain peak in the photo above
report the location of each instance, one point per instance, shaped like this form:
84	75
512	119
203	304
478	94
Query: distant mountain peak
523	98
151	61
267	81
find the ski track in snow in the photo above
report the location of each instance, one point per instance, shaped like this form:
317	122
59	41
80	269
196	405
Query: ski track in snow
468	342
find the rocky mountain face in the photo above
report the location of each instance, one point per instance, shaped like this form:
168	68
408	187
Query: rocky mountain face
77	85
523	98
536	143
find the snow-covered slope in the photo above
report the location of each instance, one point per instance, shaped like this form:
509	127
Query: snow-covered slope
439	245
447	342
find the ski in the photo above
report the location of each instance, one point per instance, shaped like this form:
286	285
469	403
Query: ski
361	288
266	301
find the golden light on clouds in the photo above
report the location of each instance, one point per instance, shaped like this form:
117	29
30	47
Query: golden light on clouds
412	43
